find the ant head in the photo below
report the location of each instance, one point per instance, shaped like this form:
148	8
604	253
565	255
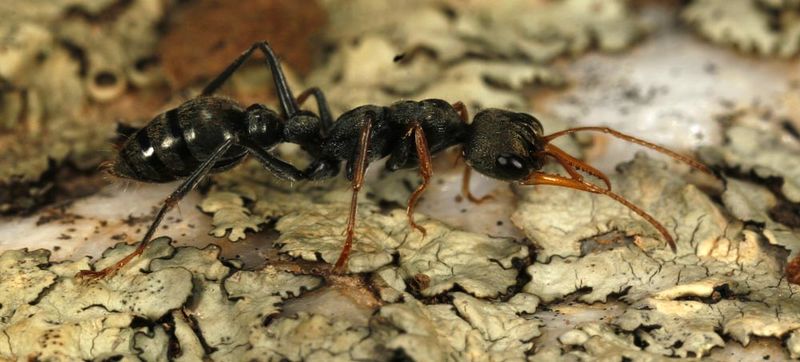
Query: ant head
504	145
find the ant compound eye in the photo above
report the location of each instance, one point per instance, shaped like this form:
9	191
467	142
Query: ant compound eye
512	166
510	161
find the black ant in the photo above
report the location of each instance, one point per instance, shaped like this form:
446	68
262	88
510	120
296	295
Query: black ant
211	134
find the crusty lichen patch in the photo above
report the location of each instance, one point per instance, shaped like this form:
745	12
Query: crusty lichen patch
22	278
434	55
725	281
311	226
58	316
573	216
448	295
748	25
759	152
763	152
59	60
595	341
73	320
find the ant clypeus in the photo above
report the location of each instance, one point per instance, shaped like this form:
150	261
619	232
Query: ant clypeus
211	133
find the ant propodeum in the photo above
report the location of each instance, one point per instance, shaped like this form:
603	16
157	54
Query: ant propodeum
211	134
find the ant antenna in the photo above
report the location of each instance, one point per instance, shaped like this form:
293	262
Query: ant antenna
573	165
688	160
541	178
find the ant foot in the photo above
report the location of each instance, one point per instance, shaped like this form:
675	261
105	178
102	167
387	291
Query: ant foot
479	200
419	228
91	276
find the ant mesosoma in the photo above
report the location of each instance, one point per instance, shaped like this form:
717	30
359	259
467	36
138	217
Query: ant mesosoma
211	134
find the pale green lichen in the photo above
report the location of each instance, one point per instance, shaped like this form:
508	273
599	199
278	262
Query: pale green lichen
311	223
437	49
764	152
38	47
781	4
309	338
544	30
23	277
540	30
437	333
747	25
575	215
751	202
74	320
60	317
350	81
231	218
595	342
443	257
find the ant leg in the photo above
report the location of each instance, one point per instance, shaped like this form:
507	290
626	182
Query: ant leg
274	165
425	170
541	178
321	168
176	196
285	97
571	163
463	113
322	107
465	188
358	181
688	160
461	109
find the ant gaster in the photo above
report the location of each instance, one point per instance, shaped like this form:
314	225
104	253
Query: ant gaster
212	134
209	134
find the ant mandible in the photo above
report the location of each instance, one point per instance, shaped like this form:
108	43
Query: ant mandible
211	134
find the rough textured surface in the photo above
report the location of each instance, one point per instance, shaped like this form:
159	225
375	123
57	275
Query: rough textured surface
748	25
574	216
91	52
583	278
435	50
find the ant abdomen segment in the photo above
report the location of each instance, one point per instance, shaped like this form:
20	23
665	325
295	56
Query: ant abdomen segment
175	142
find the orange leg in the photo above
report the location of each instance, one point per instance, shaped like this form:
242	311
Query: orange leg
465	188
425	170
540	178
461	109
571	163
688	160
358	182
91	275
187	185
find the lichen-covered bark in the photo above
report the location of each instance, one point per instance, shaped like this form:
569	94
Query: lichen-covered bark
451	295
748	24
